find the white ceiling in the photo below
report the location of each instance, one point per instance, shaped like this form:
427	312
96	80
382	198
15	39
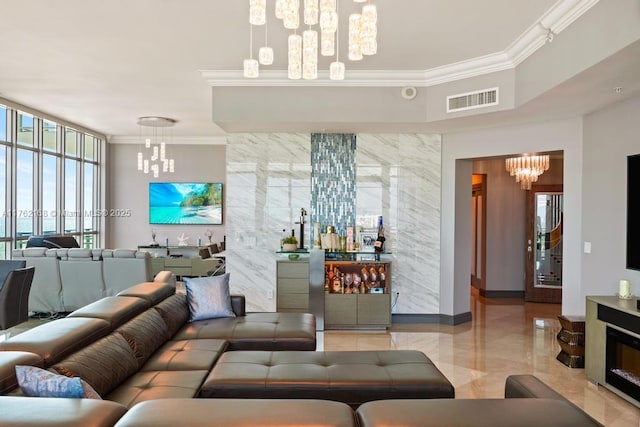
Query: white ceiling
102	64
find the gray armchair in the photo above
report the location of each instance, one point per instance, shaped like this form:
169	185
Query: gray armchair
14	297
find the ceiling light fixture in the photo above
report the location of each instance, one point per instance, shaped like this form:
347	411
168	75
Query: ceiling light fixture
302	50
154	136
527	169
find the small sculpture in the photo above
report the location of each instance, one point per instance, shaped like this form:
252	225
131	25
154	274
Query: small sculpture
183	240
153	238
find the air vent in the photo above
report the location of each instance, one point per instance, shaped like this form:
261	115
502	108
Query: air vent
470	100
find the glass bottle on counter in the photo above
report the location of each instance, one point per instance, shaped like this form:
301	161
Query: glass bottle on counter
379	244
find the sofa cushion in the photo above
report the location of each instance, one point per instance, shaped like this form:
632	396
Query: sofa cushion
55	340
104	364
8	362
239	413
209	297
472	412
115	310
154	292
58	412
174	311
257	331
158	385
186	355
145	333
36	382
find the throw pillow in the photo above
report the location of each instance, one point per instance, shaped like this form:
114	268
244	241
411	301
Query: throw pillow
36	382
209	297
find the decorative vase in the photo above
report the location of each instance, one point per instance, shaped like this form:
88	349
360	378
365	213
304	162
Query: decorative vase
289	247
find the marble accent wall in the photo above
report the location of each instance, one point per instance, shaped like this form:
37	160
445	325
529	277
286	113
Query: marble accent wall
333	180
397	175
268	181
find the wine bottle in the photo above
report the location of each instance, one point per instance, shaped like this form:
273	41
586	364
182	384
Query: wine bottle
379	244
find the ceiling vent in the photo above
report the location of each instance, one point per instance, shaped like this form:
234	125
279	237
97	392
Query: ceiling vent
470	100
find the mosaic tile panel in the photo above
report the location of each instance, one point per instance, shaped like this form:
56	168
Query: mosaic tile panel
333	180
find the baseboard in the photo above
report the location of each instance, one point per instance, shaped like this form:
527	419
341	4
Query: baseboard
501	294
443	319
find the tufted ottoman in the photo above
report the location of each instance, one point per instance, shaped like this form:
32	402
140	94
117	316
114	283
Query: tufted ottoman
352	377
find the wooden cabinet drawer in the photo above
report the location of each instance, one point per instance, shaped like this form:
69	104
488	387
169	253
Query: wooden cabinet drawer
296	286
293	269
293	302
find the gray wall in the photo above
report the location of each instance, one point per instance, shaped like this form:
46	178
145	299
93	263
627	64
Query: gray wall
610	136
457	150
129	189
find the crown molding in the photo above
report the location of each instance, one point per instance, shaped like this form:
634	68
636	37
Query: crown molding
557	18
175	140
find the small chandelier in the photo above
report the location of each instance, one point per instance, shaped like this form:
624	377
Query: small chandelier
303	48
154	156
527	169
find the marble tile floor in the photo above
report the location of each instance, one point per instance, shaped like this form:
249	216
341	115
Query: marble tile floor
506	336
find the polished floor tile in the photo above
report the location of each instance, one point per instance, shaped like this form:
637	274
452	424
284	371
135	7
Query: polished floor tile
505	337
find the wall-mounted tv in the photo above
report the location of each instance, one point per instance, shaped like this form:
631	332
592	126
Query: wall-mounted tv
185	203
633	212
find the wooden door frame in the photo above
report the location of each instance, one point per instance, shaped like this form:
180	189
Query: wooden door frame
481	284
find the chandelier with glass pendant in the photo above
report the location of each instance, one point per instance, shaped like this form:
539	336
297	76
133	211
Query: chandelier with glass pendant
322	35
154	157
527	169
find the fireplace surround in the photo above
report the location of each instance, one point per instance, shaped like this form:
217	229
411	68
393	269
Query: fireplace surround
612	345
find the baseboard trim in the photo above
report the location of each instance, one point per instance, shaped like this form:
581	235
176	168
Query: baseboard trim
443	319
501	294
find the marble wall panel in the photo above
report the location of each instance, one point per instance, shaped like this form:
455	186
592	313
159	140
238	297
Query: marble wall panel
397	175
267	184
405	170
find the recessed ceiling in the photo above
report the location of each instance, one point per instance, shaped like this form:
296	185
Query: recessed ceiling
103	64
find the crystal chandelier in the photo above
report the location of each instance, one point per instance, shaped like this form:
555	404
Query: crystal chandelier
154	156
321	36
527	169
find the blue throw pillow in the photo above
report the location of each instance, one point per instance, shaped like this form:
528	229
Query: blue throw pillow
36	382
209	297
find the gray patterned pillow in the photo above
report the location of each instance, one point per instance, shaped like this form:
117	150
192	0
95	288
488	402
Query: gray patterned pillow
209	297
36	382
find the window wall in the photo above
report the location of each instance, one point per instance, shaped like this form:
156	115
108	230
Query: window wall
49	181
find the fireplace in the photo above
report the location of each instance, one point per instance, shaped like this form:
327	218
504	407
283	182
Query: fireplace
623	362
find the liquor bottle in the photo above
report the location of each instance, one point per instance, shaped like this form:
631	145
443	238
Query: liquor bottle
379	244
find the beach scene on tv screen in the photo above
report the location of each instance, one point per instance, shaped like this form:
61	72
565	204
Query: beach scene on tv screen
185	203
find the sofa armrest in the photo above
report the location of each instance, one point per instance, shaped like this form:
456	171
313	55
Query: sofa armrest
238	304
529	386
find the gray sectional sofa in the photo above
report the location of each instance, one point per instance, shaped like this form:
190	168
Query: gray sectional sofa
67	279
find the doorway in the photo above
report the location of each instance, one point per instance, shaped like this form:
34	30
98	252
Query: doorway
544	241
478	230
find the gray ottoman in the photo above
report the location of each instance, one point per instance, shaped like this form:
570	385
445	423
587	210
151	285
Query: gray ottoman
352	377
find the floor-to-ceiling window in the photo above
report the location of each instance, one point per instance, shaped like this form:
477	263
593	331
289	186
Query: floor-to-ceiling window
49	180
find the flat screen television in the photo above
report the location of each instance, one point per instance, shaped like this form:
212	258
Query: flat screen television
185	203
633	212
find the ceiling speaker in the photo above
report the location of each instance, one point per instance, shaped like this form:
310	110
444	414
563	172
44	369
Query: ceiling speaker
409	92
